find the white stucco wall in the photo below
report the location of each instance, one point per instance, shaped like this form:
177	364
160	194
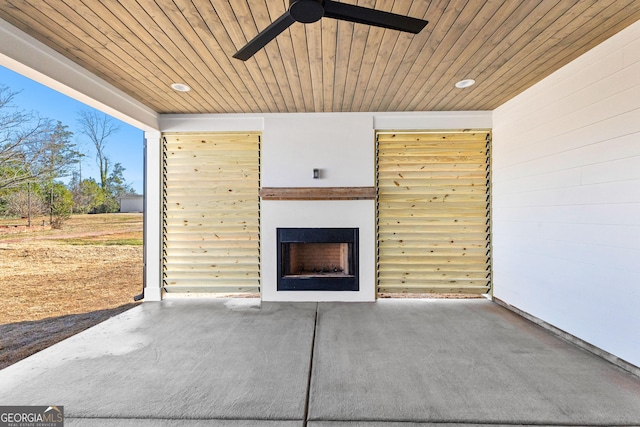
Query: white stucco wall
358	214
341	146
566	198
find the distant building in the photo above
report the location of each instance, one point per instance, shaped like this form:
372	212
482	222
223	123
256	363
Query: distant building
131	203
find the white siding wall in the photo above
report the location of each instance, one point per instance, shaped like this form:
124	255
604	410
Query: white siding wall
566	198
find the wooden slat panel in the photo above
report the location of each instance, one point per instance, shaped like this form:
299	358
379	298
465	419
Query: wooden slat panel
193	287
85	46
299	56
432	219
211	219
190	245
358	44
581	28
177	49
239	13
314	51
388	46
328	61
439	42
372	53
443	63
468	289
180	22
206	19
341	65
180	253
108	26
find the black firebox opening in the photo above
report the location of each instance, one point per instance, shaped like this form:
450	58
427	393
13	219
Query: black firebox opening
317	259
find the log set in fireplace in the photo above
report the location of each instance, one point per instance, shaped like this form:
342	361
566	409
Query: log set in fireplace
317	259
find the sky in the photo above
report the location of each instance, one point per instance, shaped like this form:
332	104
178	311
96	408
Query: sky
125	147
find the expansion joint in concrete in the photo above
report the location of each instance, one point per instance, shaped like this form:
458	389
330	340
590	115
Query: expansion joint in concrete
313	344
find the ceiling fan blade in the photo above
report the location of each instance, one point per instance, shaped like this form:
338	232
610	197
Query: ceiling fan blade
265	36
377	18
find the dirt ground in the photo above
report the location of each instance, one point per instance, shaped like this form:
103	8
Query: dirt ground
56	283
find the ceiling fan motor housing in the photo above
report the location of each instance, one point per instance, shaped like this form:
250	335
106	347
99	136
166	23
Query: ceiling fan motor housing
306	11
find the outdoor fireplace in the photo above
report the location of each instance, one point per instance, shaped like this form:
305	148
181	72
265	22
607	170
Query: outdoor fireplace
317	259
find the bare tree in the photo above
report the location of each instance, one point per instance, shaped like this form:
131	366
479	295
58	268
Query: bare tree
21	203
26	145
98	128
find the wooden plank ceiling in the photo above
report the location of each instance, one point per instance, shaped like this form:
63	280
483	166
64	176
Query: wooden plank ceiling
143	46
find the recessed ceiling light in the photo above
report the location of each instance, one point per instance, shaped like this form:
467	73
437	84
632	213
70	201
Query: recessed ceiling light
465	83
180	87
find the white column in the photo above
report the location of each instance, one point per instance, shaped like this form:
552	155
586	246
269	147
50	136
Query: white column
153	215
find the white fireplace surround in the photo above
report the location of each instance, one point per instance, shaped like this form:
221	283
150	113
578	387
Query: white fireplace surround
317	214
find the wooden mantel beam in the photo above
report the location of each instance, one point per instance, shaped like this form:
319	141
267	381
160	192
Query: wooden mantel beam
318	193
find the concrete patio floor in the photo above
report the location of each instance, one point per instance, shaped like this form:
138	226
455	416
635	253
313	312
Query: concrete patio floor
399	363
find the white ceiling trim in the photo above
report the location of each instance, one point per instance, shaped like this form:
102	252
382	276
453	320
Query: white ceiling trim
436	120
254	122
212	122
25	55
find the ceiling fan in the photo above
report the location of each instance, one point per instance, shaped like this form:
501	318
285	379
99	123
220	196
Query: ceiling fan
307	11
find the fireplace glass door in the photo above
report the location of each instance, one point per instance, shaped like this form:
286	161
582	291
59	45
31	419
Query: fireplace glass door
317	259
